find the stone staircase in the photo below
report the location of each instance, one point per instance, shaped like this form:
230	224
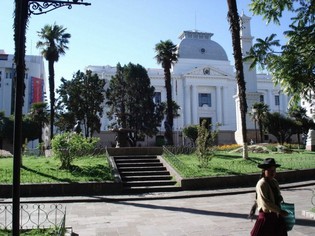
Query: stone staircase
144	173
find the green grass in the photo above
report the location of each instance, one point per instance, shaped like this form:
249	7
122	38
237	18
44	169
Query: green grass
32	232
42	169
96	168
226	163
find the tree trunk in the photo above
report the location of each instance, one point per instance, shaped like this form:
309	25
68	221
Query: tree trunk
52	96
169	114
234	21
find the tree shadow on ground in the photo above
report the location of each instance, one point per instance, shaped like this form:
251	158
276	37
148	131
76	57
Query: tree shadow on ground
46	175
299	221
97	173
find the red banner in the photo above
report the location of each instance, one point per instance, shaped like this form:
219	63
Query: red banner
37	90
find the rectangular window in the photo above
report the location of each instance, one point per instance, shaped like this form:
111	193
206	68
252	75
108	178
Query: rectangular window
204	99
277	100
157	97
261	98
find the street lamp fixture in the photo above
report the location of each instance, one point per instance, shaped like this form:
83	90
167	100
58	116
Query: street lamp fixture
43	6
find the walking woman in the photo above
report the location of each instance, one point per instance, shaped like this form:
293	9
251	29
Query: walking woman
270	220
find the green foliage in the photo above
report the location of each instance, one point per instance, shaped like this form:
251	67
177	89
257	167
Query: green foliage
205	143
40	116
30	130
226	163
130	100
191	132
280	126
166	55
47	170
69	145
31	232
54	43
259	114
81	99
291	64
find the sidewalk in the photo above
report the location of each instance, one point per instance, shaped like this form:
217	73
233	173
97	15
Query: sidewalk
190	213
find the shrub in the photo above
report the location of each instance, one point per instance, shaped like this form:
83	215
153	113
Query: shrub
69	145
205	143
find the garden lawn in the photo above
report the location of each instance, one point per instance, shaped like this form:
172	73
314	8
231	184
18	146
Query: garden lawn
226	163
43	169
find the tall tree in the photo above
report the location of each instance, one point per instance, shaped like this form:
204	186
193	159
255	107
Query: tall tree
39	115
81	99
54	44
259	114
292	64
280	126
303	122
166	55
234	21
130	100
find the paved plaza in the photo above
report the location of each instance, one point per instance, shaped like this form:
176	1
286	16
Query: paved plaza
191	216
186	213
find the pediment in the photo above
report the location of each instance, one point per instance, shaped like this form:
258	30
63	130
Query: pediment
207	71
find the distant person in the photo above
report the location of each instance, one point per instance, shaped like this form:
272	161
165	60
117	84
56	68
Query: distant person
270	221
77	128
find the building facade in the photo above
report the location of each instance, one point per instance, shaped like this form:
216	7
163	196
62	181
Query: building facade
204	85
34	82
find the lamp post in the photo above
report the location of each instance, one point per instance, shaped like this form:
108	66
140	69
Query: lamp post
23	9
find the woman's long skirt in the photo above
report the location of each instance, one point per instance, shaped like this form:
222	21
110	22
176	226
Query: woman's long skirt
269	224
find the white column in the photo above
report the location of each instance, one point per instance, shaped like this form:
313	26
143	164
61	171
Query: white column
187	105
194	108
270	99
219	104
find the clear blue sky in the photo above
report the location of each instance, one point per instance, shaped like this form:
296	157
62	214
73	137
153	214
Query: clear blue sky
108	32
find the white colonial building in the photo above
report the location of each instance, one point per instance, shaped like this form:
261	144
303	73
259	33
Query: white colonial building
204	85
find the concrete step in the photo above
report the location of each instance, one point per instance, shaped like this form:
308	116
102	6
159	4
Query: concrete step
138	164
146	177
143	173
150	183
135	157
125	160
140	168
148	189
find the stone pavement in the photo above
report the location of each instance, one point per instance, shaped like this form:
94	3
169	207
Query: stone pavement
187	213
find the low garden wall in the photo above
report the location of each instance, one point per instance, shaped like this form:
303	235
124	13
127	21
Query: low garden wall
63	189
237	181
112	188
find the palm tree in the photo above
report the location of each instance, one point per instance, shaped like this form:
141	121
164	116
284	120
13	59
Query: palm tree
54	44
40	116
166	55
259	114
234	21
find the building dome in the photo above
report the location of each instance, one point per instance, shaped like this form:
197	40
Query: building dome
198	45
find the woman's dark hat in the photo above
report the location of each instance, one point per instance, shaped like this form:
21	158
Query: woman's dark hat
268	162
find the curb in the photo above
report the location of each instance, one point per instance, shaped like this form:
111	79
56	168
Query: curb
154	196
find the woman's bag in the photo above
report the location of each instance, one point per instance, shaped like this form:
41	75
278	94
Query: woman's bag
290	219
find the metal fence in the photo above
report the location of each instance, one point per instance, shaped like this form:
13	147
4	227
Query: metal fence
35	216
